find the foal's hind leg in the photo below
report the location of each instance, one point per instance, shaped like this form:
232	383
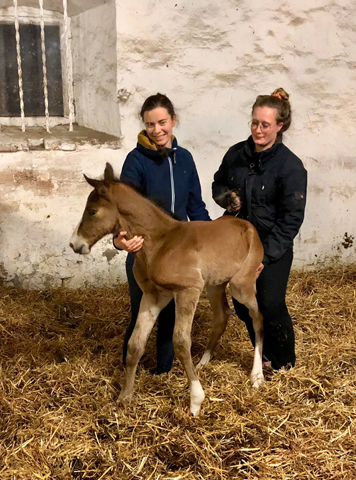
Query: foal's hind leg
246	295
186	302
221	313
150	308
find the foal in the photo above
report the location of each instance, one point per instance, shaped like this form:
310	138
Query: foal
177	260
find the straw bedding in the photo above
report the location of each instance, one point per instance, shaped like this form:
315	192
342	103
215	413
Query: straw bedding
60	355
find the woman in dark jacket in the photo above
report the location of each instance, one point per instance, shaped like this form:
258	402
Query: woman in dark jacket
165	173
262	181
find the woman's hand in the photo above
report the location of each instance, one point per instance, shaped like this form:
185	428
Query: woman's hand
132	246
234	203
229	200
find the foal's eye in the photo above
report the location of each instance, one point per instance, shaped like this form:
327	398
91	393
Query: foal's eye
91	211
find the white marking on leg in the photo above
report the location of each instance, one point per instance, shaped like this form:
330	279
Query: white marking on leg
154	310
197	396
257	378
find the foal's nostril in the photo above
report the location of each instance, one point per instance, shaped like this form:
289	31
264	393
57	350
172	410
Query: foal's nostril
80	249
77	249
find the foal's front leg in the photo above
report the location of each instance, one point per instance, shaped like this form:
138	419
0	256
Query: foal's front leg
186	302
150	308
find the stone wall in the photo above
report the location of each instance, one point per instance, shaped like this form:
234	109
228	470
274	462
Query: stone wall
213	58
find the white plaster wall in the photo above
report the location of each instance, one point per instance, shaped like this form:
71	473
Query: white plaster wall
43	195
95	68
213	58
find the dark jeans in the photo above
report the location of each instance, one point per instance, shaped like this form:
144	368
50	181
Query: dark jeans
165	351
278	345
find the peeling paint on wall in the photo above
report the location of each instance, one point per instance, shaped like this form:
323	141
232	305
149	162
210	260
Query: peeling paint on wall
42	199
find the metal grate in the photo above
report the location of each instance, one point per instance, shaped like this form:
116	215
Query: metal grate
31	70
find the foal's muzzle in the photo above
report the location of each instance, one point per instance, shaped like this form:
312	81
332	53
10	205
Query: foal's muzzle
78	249
79	244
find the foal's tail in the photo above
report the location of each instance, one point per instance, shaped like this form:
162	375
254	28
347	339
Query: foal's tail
243	283
255	251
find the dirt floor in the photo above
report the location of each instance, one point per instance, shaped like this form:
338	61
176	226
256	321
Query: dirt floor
60	419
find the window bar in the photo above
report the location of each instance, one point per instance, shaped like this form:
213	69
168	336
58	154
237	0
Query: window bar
69	64
44	65
19	67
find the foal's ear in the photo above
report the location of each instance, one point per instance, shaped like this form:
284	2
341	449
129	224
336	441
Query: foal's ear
109	175
100	185
94	183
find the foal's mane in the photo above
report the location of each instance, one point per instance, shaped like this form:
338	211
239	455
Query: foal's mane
111	179
155	201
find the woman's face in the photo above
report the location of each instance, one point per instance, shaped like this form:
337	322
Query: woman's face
264	127
159	126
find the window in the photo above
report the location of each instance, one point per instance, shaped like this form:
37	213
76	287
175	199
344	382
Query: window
32	73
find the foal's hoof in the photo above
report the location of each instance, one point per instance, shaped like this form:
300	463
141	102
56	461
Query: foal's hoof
194	410
257	379
125	397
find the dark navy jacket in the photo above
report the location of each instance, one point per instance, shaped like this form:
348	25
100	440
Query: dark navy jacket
272	186
171	180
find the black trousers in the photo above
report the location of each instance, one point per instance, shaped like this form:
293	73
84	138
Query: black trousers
166	319
279	344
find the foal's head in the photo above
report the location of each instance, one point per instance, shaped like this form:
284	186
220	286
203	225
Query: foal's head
100	215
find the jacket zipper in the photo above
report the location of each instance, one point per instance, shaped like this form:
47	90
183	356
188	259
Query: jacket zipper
172	184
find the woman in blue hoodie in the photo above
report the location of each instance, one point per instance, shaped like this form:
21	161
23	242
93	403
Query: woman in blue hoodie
165	173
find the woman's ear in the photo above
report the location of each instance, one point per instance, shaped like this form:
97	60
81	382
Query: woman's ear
174	120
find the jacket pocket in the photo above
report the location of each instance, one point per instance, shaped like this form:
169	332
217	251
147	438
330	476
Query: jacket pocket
263	220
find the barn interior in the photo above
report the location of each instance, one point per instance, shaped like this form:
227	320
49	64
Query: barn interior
63	317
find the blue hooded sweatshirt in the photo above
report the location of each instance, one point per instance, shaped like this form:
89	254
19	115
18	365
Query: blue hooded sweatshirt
168	177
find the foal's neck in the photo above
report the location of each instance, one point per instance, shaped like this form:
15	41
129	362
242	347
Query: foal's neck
139	216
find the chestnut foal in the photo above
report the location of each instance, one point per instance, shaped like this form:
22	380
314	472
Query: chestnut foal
177	260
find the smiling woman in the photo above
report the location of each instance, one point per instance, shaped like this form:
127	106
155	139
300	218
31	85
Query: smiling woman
159	127
166	173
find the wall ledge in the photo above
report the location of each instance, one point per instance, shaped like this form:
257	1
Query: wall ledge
12	139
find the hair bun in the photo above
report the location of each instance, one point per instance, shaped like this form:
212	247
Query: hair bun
281	93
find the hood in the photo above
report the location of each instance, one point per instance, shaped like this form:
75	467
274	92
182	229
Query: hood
150	149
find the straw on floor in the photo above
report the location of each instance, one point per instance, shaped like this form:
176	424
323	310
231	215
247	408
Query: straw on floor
60	357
